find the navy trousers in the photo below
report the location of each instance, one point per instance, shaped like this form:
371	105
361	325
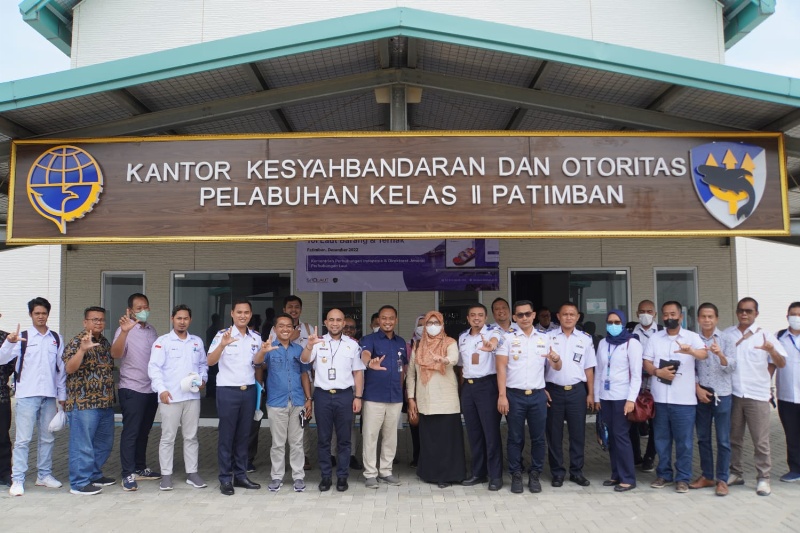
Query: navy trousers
619	441
522	408
333	412
138	412
235	408
569	405
479	406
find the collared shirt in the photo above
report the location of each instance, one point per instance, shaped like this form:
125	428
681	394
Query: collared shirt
576	352
645	334
552	327
284	369
469	344
43	373
236	360
342	356
171	360
710	372
135	357
92	385
512	327
751	379
787	379
385	386
526	359
621	367
662	347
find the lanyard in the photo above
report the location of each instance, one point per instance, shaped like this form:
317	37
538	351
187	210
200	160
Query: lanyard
792	338
335	351
610	353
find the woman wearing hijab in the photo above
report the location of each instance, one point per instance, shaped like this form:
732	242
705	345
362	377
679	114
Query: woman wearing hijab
432	391
413	424
617	379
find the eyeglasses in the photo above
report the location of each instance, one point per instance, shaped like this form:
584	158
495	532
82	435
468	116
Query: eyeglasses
739	311
614	322
436	323
96	320
349	327
524	315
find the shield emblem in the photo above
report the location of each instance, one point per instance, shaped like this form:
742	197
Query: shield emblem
730	179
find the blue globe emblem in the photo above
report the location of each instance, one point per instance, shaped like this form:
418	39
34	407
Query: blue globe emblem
64	184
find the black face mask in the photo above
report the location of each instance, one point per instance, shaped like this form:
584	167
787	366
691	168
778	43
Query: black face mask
672	323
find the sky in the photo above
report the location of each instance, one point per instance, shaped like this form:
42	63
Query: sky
773	47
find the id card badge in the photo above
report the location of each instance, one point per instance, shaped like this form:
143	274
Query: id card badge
399	364
331	374
476	358
577	357
606	385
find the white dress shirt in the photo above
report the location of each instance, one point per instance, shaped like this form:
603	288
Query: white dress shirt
527	359
469	344
43	372
662	346
171	360
787	379
621	366
751	379
576	352
236	361
343	356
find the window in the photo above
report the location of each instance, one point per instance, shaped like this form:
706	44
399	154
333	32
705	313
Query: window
679	284
117	286
351	304
453	306
594	291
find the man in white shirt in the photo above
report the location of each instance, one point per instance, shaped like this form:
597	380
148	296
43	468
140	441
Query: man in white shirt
644	329
40	382
174	357
670	357
787	380
757	353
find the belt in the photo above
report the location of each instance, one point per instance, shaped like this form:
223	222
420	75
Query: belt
472	381
565	387
335	391
239	387
526	392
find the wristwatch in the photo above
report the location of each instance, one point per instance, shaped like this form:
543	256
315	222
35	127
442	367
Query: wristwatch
357	397
309	399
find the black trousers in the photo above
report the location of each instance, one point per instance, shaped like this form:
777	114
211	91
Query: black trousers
235	408
479	406
333	412
138	412
789	414
569	406
636	443
5	440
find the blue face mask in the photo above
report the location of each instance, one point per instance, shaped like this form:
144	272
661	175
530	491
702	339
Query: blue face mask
614	329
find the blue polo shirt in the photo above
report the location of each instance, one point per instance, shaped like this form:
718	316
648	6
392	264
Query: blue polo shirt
283	375
385	386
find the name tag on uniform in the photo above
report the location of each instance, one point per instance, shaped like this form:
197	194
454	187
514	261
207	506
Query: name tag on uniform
331	374
476	358
606	385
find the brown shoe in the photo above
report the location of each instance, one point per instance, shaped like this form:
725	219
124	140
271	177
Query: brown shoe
722	488
701	483
682	487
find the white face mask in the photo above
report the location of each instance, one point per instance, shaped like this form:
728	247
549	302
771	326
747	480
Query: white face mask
433	330
376	329
794	322
418	331
645	319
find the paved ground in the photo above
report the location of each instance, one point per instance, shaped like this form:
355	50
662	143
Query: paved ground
413	506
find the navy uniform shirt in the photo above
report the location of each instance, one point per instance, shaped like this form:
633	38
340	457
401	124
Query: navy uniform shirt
379	385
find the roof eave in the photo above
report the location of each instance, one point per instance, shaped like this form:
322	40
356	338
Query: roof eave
50	20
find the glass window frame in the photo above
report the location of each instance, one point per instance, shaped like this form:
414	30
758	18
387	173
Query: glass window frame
321	310
104	304
693	270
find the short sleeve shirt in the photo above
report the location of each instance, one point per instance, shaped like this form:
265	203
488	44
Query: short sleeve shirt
92	385
526	359
577	353
385	386
662	347
236	361
468	348
335	361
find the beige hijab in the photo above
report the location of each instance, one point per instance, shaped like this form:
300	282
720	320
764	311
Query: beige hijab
430	346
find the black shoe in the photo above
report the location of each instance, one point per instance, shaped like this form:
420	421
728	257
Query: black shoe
647	465
250	467
245	483
474	480
104	481
533	482
325	484
610	482
443	484
557	482
226	488
516	483
355	464
495	484
341	484
580	480
620	488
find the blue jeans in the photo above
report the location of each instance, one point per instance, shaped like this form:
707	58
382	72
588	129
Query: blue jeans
721	416
32	412
91	437
674	423
533	409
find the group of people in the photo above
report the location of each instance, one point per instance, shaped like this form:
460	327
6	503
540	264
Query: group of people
534	373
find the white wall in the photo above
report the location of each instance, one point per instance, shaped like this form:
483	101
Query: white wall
104	30
768	271
28	272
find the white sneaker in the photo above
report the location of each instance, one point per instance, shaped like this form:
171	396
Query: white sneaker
48	481
763	488
17	489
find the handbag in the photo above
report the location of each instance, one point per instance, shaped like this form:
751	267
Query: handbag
644	408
